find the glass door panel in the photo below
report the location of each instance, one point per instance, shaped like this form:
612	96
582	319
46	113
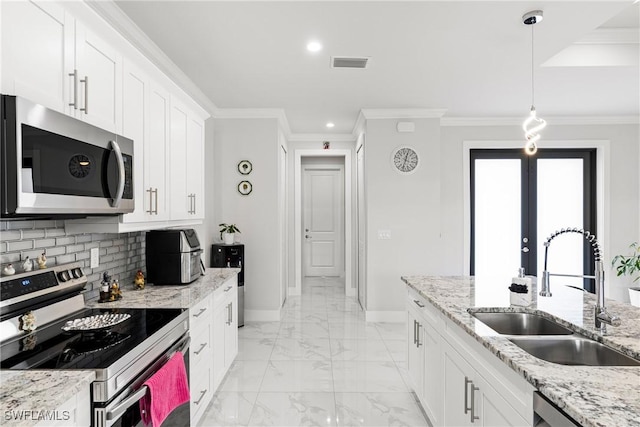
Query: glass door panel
497	218
560	199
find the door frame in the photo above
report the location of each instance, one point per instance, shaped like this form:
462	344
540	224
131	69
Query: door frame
603	199
348	218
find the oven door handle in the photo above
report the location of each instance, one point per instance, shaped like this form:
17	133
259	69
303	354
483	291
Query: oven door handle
114	413
121	174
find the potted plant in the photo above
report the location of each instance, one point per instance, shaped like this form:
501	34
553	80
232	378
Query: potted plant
228	233
630	265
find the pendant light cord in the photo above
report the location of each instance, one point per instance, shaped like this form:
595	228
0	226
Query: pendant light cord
532	71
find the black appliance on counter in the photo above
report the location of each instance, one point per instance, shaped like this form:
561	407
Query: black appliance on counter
124	347
58	166
231	256
173	257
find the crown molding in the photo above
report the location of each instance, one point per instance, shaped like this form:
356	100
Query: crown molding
552	120
121	22
402	113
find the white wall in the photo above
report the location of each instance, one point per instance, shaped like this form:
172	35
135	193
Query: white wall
623	197
407	205
257	214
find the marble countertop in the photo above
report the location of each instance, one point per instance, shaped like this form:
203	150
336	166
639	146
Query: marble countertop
28	396
178	296
47	390
593	396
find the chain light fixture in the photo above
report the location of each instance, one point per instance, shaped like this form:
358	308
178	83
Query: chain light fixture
532	124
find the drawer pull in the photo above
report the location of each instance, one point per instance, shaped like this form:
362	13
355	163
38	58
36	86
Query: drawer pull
418	303
202	310
202	346
228	289
202	393
467	381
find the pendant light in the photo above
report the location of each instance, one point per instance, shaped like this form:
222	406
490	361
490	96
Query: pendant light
532	124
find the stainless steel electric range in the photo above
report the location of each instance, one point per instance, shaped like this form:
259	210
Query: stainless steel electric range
45	325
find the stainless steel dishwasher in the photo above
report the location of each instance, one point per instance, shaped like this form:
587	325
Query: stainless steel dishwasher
546	413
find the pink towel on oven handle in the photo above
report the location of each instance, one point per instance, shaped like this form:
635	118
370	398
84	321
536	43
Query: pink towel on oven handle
168	389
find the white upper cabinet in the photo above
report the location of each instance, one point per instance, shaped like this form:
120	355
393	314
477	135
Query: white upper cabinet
52	59
37	52
155	165
187	163
99	81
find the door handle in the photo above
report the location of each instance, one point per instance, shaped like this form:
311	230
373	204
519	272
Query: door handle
116	149
86	94
307	236
418	343
473	403
155	208
467	381
306	230
414	331
150	191
74	104
525	249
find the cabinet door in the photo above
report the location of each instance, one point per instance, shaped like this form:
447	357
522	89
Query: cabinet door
180	200
155	162
432	390
135	107
195	166
457	399
37	52
219	340
415	353
231	330
100	80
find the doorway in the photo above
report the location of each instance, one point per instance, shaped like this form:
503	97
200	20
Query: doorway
517	201
323	217
345	157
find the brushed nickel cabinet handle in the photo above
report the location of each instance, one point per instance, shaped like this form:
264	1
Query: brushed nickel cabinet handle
467	381
418	303
202	346
74	104
86	94
202	393
473	402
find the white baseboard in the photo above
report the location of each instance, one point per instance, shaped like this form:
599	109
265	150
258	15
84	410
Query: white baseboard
262	315
386	316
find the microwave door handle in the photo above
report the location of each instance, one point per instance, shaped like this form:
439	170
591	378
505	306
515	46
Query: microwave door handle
116	149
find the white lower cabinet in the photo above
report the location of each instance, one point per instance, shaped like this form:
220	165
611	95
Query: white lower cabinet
225	329
458	382
75	412
200	357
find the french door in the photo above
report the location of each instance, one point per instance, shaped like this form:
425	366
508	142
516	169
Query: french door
517	201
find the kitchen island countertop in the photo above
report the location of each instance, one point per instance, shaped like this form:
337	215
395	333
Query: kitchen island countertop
593	396
27	395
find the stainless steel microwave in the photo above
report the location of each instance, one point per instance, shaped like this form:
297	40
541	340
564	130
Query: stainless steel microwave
56	165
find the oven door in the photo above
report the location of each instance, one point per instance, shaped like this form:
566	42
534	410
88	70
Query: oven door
124	409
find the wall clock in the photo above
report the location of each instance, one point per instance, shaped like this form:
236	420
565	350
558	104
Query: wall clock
245	167
405	159
245	188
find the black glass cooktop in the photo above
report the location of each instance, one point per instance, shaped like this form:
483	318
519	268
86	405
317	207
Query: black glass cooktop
53	348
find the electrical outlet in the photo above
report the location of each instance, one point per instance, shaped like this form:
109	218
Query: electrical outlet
384	234
95	257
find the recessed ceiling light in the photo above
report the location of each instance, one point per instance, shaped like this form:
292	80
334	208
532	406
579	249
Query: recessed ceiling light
330	125
314	46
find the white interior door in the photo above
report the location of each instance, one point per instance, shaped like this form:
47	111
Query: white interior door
323	220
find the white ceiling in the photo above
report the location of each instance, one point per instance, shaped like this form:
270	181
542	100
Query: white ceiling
472	58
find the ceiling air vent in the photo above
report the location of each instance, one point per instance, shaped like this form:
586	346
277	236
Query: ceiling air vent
349	62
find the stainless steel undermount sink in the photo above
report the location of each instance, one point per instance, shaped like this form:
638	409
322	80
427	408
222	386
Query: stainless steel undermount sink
507	323
573	351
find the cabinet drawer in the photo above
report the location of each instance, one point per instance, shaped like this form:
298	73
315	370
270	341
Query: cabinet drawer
201	390
223	292
200	311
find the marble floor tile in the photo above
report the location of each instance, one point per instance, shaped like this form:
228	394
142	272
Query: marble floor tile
397	349
259	330
301	349
294	409
392	331
348	349
301	330
255	348
363	376
303	316
345	317
353	331
244	375
231	408
379	409
298	376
